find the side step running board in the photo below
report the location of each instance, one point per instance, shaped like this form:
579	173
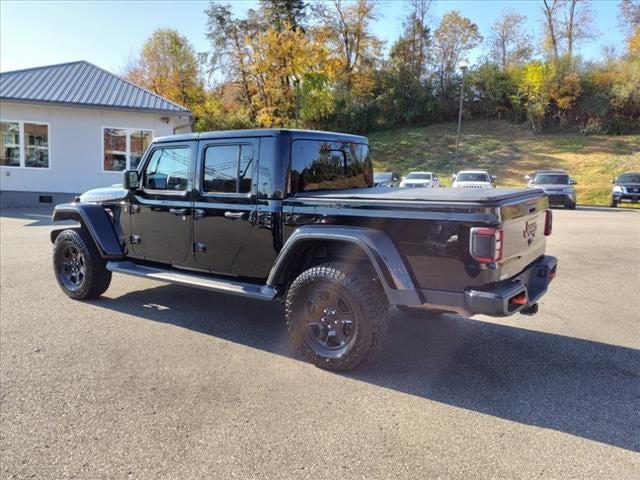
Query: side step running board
260	292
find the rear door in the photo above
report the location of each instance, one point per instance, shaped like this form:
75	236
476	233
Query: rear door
161	208
225	202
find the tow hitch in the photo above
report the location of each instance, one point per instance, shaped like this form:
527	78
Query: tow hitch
530	310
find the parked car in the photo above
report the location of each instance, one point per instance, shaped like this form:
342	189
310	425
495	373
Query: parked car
290	215
386	179
420	180
530	177
626	188
557	184
473	179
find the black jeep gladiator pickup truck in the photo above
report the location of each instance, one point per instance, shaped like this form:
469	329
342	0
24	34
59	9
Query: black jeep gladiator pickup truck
291	214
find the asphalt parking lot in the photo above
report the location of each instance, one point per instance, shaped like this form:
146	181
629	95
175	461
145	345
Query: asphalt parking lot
157	381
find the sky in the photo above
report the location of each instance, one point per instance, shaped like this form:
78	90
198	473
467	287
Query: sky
109	33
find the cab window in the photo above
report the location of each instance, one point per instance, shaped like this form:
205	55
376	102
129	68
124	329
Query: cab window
168	169
320	165
228	168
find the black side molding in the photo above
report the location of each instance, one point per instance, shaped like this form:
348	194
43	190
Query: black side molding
97	222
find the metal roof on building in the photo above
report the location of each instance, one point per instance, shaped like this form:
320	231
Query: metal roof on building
82	84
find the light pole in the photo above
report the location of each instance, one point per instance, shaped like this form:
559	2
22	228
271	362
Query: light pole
463	66
296	83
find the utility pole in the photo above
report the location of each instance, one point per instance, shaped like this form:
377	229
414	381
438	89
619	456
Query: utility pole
296	83
463	67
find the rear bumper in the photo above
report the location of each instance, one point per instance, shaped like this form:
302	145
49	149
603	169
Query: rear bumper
502	299
564	199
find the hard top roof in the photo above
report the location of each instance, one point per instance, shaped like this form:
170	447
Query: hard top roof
266	132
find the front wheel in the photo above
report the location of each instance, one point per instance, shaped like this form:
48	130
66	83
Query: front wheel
614	204
80	270
337	316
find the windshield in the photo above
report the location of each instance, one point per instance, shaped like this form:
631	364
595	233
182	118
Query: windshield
629	178
472	177
419	176
382	176
551	179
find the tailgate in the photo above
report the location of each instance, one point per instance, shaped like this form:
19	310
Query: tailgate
524	240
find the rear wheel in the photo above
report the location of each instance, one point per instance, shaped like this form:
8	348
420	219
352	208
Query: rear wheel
80	270
337	316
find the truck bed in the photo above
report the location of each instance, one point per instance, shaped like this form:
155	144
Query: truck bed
485	197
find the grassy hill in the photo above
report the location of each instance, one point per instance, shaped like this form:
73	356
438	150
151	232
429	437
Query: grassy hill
510	152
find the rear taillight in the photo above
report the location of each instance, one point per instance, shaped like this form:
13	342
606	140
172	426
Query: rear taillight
548	222
487	244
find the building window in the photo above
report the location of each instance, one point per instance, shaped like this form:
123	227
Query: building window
32	152
124	148
36	145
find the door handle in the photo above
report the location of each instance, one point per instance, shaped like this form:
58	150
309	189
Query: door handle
198	214
235	215
180	212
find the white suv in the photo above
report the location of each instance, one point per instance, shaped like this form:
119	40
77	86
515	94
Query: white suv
473	179
420	179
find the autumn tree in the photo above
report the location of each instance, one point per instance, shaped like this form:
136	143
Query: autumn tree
629	16
168	66
567	22
509	43
578	24
230	55
452	41
345	27
416	36
551	9
280	60
536	83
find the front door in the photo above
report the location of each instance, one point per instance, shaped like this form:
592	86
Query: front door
161	208
225	203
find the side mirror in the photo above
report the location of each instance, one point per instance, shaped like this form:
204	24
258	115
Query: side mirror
493	178
572	182
613	180
453	176
131	180
527	177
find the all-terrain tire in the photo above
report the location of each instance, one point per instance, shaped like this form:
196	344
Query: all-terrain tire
367	303
614	204
79	269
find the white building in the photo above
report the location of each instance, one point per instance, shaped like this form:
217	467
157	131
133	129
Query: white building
67	128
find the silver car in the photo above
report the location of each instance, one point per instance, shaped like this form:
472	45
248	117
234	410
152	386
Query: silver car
557	185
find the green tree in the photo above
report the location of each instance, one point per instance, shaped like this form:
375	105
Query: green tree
280	13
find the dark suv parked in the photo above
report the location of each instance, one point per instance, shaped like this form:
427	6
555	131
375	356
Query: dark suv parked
626	188
291	215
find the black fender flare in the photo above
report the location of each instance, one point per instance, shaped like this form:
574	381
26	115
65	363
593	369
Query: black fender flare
382	253
96	220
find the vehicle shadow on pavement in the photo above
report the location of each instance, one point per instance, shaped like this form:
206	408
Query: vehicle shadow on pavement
579	387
